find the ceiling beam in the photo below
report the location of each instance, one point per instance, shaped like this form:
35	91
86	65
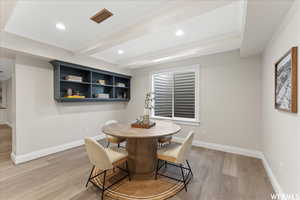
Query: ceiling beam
171	15
24	46
211	45
183	47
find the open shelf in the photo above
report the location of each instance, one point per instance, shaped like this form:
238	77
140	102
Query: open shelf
120	87
99	89
95	85
98	84
82	89
66	71
75	82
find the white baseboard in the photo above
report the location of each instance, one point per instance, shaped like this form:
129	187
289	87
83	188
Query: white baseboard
276	186
17	159
240	151
224	148
13	157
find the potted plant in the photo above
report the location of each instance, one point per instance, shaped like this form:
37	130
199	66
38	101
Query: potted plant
148	107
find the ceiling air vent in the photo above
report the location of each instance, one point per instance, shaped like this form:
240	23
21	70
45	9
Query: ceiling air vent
101	15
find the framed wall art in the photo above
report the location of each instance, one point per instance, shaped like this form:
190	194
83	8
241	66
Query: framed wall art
286	82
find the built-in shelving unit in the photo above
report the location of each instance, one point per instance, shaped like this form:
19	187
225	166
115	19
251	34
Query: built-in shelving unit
92	86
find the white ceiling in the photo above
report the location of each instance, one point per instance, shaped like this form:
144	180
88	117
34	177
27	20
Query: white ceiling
145	30
36	19
263	17
205	26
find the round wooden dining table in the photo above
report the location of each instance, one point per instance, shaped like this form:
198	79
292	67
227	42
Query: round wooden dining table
141	143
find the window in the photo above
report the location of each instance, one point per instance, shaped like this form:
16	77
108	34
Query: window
175	94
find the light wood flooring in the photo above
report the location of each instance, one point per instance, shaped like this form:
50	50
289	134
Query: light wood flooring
61	176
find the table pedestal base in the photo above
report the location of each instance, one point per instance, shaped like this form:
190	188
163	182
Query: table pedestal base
141	155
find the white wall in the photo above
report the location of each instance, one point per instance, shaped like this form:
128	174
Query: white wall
229	98
281	130
41	122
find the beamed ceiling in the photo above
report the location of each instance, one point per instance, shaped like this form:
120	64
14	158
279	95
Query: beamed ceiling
140	32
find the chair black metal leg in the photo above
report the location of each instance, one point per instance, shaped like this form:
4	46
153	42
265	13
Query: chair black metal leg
128	170
183	179
187	162
103	186
87	183
108	143
118	145
157	166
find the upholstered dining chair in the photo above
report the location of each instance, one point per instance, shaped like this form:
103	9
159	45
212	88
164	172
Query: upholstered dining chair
112	139
105	159
165	140
176	155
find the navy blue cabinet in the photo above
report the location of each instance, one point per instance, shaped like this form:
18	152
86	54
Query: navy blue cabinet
77	83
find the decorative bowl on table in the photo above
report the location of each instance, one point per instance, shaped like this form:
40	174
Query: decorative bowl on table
141	124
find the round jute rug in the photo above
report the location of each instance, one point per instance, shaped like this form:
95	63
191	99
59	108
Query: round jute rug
141	187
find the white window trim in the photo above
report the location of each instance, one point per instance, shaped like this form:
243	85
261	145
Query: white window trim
190	68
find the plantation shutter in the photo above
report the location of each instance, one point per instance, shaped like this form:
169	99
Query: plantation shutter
163	99
184	95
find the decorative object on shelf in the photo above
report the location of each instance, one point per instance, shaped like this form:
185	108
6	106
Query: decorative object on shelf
102	82
102	96
75	97
286	82
120	84
122	95
77	93
69	92
73	78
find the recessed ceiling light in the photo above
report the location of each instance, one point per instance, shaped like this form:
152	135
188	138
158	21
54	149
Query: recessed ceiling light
60	26
179	32
120	51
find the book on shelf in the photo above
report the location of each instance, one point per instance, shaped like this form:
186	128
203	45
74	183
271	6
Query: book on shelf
75	97
102	96
73	78
120	84
101	82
